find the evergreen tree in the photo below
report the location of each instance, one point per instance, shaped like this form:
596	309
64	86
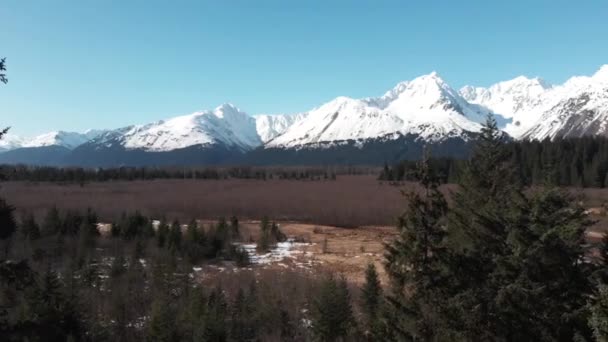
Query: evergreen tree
8	225
29	228
332	316
276	233
234	227
487	209
162	234
599	314
214	327
415	262
548	284
175	237
162	327
192	232
242	325
52	222
371	302
265	237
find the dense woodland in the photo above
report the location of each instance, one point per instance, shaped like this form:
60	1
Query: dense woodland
498	264
581	162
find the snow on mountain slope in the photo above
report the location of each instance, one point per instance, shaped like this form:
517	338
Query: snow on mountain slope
519	100
425	106
68	140
577	108
270	126
224	125
10	142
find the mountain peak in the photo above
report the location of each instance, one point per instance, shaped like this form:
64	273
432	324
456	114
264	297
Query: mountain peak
227	106
432	78
602	73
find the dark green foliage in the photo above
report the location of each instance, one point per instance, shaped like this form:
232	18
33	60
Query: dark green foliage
213	326
239	255
372	301
276	233
566	162
162	234
599	314
265	238
82	175
175	237
46	314
162	326
29	227
132	226
8	225
415	261
234	227
242	321
504	267
270	234
193	233
517	273
52	222
332	316
71	223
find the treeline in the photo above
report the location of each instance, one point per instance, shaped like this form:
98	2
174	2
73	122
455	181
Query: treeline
81	175
581	162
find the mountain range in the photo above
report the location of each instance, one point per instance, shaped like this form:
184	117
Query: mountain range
425	111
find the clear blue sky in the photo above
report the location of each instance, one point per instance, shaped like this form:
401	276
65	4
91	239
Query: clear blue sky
74	65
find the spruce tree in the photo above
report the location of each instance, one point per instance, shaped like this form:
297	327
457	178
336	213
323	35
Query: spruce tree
415	262
332	316
29	228
175	237
599	314
8	225
162	327
162	234
371	302
234	227
192	232
550	279
51	224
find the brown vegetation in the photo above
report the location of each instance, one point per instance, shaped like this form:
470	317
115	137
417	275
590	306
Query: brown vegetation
350	201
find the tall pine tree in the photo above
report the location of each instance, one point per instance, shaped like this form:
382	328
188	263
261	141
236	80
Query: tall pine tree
415	261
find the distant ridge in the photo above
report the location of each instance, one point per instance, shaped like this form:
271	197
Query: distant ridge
423	111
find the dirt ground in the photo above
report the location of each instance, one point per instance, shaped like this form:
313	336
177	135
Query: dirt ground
340	250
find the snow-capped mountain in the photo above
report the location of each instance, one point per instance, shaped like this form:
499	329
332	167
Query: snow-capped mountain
10	142
519	100
396	125
271	126
225	125
577	108
426	107
538	110
69	140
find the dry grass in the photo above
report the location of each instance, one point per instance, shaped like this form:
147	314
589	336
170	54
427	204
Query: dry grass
350	201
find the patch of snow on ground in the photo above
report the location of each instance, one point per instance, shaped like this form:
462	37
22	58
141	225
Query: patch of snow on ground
282	250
